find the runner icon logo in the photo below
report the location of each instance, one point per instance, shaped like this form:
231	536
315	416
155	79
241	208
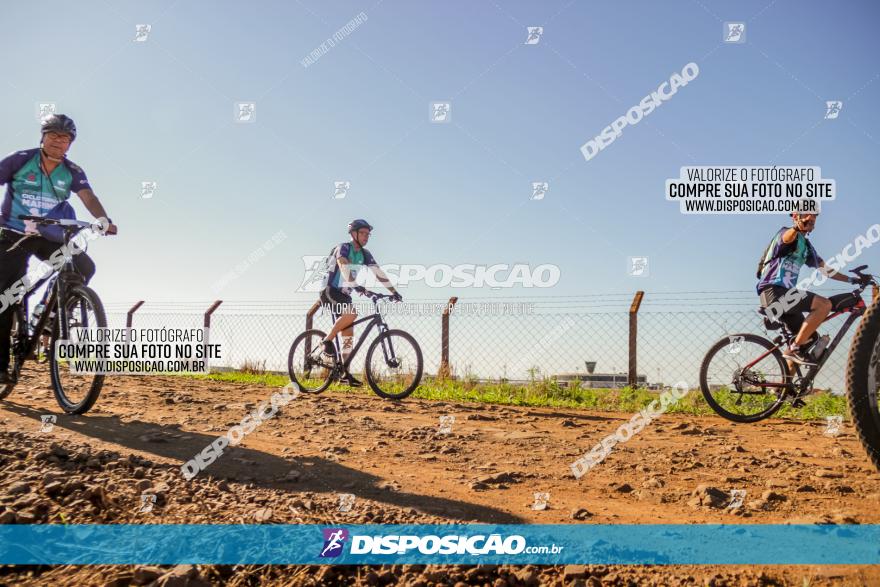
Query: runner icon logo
736	343
48	422
539	189
341	189
534	35
833	425
334	538
832	109
734	32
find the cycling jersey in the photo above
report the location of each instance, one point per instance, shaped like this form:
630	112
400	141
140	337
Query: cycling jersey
356	258
783	262
30	192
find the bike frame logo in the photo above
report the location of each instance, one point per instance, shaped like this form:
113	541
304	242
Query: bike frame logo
499	275
334	539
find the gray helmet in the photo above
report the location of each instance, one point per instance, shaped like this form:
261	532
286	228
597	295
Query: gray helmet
358	224
59	123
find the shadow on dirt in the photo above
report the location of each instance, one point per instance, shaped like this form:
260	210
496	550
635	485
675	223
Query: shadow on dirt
263	469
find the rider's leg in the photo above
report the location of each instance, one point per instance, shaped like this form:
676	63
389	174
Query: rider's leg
804	329
819	310
340	303
347	340
43	249
343	324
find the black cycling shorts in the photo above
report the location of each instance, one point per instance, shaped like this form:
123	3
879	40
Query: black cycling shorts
336	300
793	318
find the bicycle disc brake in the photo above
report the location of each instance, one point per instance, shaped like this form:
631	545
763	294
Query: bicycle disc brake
748	377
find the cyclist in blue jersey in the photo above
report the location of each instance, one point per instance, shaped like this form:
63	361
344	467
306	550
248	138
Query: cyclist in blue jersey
348	259
788	251
37	181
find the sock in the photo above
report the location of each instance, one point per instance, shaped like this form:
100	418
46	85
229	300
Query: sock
346	347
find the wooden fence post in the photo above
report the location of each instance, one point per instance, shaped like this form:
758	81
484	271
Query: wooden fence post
632	379
444	371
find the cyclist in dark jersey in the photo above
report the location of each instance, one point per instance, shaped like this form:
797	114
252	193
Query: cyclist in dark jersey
787	253
36	181
341	281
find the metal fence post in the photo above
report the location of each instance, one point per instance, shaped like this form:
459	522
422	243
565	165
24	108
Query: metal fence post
444	371
207	325
309	316
632	379
130	316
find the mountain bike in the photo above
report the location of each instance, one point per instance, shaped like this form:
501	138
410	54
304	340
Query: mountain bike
393	363
863	382
745	378
67	303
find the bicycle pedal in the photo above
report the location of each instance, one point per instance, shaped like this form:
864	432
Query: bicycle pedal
798	403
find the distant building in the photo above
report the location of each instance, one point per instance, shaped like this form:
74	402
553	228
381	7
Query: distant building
602	380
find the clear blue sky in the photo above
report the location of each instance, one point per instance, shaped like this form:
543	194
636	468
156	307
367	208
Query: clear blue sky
162	110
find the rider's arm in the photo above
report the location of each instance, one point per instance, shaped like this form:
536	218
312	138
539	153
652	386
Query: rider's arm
370	261
833	273
11	164
93	205
790	235
345	269
383	279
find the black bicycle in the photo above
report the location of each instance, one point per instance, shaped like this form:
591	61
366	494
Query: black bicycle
393	365
67	303
745	378
863	381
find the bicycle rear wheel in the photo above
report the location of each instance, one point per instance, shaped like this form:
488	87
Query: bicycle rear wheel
863	382
395	370
307	364
76	393
740	393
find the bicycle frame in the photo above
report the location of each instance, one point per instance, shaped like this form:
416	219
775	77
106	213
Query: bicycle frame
67	273
375	320
855	313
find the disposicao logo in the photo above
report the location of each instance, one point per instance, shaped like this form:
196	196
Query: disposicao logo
334	538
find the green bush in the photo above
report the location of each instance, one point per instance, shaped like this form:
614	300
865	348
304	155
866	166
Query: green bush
549	392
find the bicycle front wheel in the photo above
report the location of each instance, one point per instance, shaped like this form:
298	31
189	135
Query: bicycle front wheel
76	393
394	364
744	378
863	382
7	388
307	364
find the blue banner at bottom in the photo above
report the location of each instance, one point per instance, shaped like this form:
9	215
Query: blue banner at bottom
662	544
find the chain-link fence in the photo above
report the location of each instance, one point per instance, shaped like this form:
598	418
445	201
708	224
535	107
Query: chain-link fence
600	340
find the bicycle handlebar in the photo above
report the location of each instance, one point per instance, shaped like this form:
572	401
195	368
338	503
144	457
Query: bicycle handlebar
375	295
68	222
866	280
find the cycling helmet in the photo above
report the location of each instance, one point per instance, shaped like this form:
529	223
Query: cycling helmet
59	123
358	224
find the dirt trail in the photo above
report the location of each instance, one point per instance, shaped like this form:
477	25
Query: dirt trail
401	469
